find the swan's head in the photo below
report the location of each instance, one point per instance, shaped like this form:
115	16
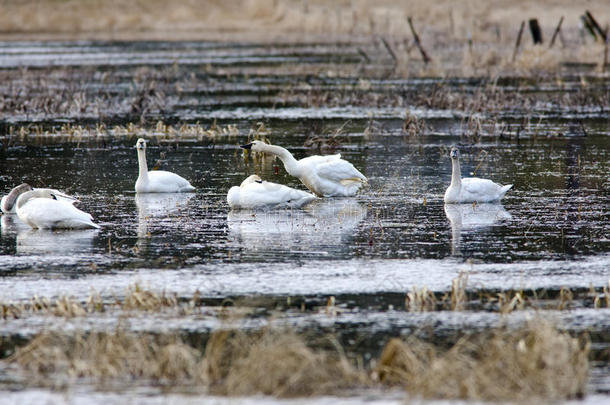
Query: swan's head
251	179
49	193
256	146
38	193
141	144
8	202
454	153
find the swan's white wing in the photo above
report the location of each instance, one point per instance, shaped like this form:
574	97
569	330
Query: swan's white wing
48	213
338	170
484	189
267	195
271	194
163	181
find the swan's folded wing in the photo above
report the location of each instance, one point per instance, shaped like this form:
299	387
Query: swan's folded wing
338	170
269	194
47	213
168	179
477	186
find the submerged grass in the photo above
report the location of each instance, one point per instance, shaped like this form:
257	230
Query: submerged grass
533	362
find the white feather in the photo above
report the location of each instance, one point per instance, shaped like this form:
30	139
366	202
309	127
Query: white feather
253	193
40	210
325	176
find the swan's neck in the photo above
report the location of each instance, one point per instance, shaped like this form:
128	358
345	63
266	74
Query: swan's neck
456	176
27	196
142	164
11	198
290	163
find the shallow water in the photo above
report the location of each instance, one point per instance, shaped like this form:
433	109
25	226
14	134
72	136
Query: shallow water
551	230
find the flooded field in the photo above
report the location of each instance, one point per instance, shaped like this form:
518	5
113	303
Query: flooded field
393	261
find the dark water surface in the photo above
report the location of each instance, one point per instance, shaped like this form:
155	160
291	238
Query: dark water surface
555	218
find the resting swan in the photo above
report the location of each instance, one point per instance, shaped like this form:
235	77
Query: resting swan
43	209
255	193
157	181
7	205
471	189
325	176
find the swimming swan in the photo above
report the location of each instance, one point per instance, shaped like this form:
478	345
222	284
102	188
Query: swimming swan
255	193
325	176
43	209
158	181
7	205
471	189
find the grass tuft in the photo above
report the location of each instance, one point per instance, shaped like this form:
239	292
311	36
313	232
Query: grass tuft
534	362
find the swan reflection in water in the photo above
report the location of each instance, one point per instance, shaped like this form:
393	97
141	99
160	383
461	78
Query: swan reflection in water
55	242
10	225
160	210
322	222
470	217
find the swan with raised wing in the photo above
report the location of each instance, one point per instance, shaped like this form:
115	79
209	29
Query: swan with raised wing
42	208
325	176
471	189
158	181
254	193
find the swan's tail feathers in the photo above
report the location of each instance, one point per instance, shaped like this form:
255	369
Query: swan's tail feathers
75	224
94	225
504	189
352	186
188	188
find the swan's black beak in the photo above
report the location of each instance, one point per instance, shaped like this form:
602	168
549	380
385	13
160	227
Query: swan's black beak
246	146
453	154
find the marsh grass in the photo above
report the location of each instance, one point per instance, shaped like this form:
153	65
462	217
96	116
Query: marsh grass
111	356
270	362
160	132
529	363
136	298
533	363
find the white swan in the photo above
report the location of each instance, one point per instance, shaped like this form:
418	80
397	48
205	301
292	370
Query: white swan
42	209
325	176
255	193
471	189
7	205
158	181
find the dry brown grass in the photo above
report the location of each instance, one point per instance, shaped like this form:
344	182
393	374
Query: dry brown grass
477	20
111	355
531	363
279	363
534	363
136	298
271	362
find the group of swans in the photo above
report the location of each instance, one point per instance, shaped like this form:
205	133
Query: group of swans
46	208
324	176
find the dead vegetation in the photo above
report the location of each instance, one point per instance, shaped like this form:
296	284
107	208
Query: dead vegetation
534	362
136	298
419	299
161	132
